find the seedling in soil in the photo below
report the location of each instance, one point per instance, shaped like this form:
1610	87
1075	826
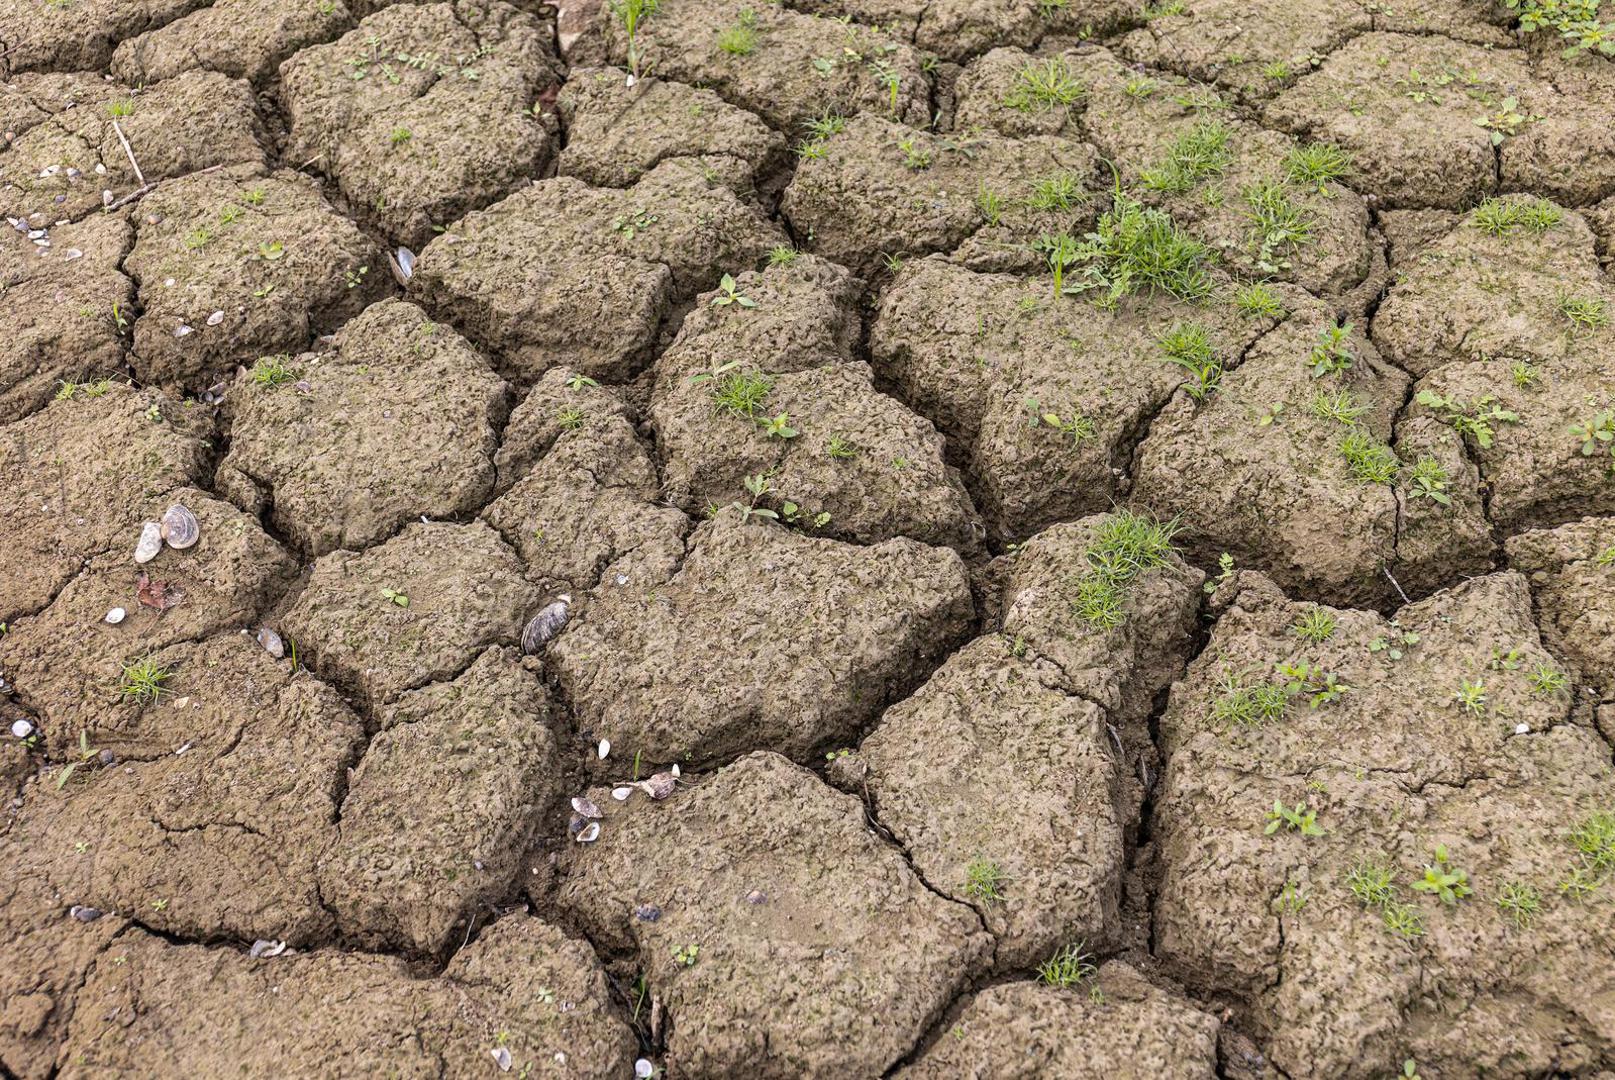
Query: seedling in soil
1126	545
1524	374
989	204
1279	226
1594	840
840	448
1471	697
1605	557
1576	21
1368	461
631	13
740	38
1316	626
1474	421
272	371
892	261
686	954
1059	251
728	294
1520	902
399	136
1317	163
1429	481
1198	154
1068	968
888	78
1296	817
1075	427
1395	643
1442	880
1599	432
1225	568
1278	71
758	487
144	680
1292	899
1372	883
85	754
581	382
1332	354
1189	347
1584	311
1259	301
1139	249
1056	192
1319	686
117	110
984	880
1249	706
779	427
570	419
1505	120
781	255
1044	87
1403	920
1500	217
742	393
355	278
1139	87
915	156
1341	406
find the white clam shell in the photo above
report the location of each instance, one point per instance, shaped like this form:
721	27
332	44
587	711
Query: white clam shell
621	793
151	542
586	807
116	616
402	262
21	729
271	642
589	833
179	527
604	748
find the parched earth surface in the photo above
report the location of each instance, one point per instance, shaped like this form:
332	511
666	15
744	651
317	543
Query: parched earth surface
832	538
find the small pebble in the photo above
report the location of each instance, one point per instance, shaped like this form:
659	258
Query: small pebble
21	729
1522	729
756	896
216	318
501	1058
84	914
647	913
643	1068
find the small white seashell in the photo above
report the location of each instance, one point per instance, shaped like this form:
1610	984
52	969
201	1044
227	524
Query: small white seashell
659	786
84	913
643	1068
586	807
403	265
182	330
501	1058
271	642
216	318
262	949
550	621
604	748
100	169
72	253
589	833
621	793
151	542
21	729
675	772
1522	729
179	527
115	616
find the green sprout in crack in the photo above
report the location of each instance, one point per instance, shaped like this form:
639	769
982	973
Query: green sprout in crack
1441	879
984	880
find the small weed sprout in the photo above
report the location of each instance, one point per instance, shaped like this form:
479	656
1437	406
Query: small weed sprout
1316	626
85	754
1403	920
686	955
631	13
1501	217
779	427
989	204
1594	841
393	596
1126	545
1368	461
1043	87
1429	480
399	136
1248	706
143	680
1520	902
570	418
1075	427
1059	251
1332	354
742	393
841	448
781	255
1584	311
984	880
1225	570
1057	191
1296	817
915	156
1547	680
1341	406
728	294
1524	374
1189	347
1198	154
1599	432
1259	301
1441	879
740	39
1278	224
273	371
1373	883
1068	968
1306	679
1138	249
1472	421
1317	164
1471	697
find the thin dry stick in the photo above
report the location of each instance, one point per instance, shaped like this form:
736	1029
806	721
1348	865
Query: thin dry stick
1398	585
126	149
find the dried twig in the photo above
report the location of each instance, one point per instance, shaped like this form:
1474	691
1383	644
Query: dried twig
1398	585
127	150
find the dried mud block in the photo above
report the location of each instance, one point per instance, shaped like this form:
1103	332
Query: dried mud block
1568	151
1479	21
79	474
1408	232
423	112
1024	1028
1234	186
1048	397
70	154
244	39
61	305
960	29
350	1014
562	273
218	804
1505	317
796	66
72	667
581	501
1419	112
78	36
1252	48
796	666
1572	572
397	421
414	610
860	466
876	188
786	939
1447	754
1272	466
618	130
239	264
441	808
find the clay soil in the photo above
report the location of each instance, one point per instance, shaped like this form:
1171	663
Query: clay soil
1075	538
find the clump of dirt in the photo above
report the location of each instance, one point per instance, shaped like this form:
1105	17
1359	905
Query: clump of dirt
405	416
771	922
799	666
424	111
244	39
78	36
1572	573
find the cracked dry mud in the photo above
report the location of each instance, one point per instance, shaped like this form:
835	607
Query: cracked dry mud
1076	537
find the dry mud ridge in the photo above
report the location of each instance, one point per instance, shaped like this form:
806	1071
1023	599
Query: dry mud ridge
820	538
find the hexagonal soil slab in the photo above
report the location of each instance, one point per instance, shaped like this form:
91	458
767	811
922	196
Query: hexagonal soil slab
396	422
80	36
244	39
780	935
218	804
1121	1023
159	1009
1048	395
960	29
780	64
70	155
235	265
1572	571
564	274
874	188
61	306
417	609
441	807
73	668
618	129
581	502
79	475
858	466
1427	120
1306	833
1281	457
709	665
998	776
423	112
1242	190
